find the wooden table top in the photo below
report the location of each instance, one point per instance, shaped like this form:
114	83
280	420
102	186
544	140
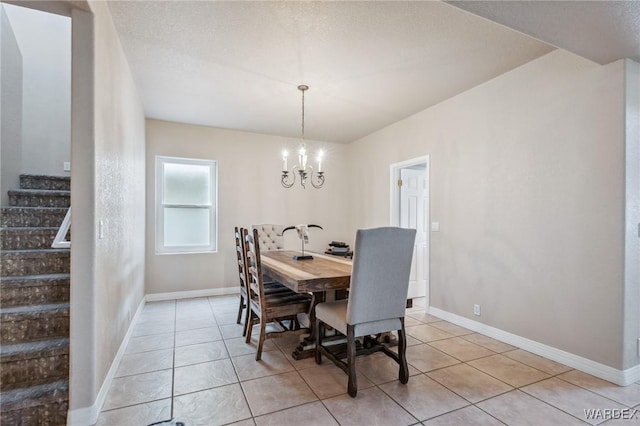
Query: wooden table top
322	273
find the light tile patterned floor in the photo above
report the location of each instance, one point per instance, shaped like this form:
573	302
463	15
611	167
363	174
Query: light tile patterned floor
188	361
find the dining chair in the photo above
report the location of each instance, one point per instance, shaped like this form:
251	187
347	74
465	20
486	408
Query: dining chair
270	287
278	308
270	236
242	274
376	302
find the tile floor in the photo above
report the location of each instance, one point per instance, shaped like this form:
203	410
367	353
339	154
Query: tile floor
187	360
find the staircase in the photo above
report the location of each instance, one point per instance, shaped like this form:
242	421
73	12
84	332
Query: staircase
34	304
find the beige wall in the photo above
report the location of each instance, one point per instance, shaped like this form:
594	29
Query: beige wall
10	109
632	214
46	103
249	192
107	282
527	182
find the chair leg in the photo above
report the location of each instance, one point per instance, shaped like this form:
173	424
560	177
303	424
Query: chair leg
318	337
351	361
240	307
403	375
249	326
247	318
263	330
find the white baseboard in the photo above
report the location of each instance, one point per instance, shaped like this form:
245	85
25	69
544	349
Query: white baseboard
619	377
173	295
631	375
89	415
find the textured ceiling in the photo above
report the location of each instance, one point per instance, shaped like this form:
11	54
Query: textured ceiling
603	31
368	64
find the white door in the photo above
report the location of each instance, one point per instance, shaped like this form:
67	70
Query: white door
413	214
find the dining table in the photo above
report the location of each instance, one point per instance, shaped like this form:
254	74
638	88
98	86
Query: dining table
321	276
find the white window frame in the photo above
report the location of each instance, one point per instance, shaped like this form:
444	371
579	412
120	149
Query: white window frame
213	206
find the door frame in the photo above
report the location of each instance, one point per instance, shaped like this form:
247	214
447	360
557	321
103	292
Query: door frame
394	204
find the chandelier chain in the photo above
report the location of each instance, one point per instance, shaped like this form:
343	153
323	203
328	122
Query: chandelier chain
302	90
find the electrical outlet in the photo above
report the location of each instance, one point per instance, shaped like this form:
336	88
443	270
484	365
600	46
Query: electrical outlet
66	166
476	309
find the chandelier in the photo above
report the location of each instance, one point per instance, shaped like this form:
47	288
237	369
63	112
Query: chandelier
304	170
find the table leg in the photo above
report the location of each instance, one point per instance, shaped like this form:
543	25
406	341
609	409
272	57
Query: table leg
307	347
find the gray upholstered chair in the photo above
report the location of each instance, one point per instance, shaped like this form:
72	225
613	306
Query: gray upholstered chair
376	303
269	236
275	307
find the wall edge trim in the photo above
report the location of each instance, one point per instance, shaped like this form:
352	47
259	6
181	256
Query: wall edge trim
89	415
175	295
619	377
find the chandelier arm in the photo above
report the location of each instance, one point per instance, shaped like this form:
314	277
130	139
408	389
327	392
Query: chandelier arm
284	180
319	179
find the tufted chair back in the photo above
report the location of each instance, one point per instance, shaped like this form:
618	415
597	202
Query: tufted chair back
269	236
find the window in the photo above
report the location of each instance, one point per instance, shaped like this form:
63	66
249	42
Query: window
186	205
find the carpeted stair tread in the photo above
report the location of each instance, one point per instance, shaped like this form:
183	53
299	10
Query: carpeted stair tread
47	192
19	217
30	349
21	290
25	279
30	396
39	198
33	309
35	252
26	229
32	181
22	324
27	238
34	262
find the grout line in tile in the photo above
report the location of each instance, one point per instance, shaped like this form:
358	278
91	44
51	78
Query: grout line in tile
173	373
551	405
399	405
457	359
281	350
235	370
589	390
488	413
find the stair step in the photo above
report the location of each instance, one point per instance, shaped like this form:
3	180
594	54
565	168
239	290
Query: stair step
39	198
25	217
34	290
35	363
45	182
26	238
36	405
23	324
35	262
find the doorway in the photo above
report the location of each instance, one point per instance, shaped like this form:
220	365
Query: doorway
410	209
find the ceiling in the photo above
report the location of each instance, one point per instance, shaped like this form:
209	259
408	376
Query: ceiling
237	64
